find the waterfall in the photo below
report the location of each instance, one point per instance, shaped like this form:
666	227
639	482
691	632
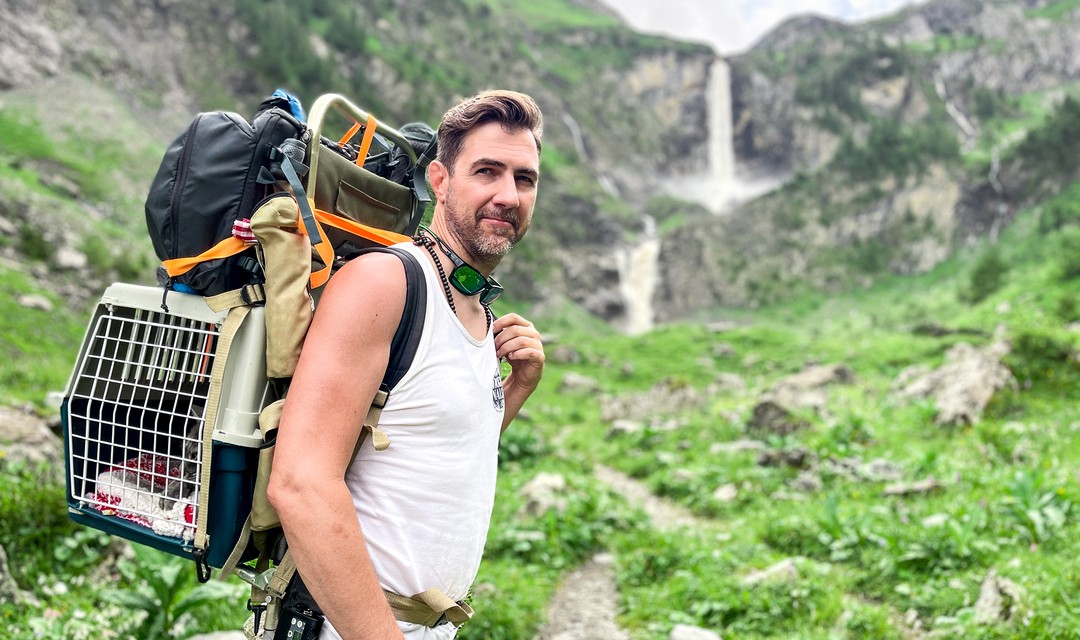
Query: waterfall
637	280
721	140
715	185
606	183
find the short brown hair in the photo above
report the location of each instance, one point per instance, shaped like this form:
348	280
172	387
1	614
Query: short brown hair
513	110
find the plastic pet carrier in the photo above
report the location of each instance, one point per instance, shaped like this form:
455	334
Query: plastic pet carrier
142	461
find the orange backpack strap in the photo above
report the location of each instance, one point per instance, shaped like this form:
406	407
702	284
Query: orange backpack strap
230	246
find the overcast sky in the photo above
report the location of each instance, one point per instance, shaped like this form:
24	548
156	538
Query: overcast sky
733	26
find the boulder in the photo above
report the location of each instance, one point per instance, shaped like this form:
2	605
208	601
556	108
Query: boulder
999	600
783	571
26	437
963	385
668	397
688	632
546	491
578	383
777	411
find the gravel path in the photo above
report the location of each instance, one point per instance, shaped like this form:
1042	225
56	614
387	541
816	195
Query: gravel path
584	606
664	515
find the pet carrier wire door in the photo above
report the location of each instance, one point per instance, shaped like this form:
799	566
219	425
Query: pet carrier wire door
133	417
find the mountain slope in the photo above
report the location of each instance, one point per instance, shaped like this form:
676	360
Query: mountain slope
884	133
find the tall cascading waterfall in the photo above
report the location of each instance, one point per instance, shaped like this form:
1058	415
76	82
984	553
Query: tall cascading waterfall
721	141
637	280
714	185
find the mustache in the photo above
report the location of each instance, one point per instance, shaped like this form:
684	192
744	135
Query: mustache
505	215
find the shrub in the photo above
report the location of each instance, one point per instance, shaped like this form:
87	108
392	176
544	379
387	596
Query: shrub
1068	308
987	276
521	445
1051	149
1043	355
164	588
1037	510
97	254
33	244
1059	214
32	516
1069	251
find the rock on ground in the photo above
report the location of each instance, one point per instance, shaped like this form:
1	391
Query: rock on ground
963	386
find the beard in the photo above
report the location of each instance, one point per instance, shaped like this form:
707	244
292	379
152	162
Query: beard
486	248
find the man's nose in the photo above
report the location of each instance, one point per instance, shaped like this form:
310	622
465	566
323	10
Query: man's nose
506	194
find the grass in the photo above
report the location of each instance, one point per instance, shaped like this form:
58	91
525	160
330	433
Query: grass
1054	11
548	15
37	346
866	564
864	559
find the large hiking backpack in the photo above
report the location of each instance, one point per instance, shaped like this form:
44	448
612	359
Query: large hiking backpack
220	168
170	413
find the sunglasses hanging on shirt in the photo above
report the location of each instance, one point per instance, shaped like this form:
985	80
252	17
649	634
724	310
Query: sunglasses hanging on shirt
465	277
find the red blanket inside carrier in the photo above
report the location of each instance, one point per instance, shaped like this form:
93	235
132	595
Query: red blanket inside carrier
137	491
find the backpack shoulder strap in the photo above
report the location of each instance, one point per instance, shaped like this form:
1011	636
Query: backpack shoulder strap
402	347
407	336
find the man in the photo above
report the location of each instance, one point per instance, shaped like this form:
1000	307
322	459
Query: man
415	516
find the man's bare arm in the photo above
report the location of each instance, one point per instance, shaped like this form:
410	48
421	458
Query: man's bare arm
340	368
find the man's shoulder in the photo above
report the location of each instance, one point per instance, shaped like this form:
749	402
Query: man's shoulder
374	269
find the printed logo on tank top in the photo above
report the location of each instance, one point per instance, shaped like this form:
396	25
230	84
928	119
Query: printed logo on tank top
497	399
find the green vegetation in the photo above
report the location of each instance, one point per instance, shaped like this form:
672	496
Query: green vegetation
863	563
555	15
1050	149
987	276
671	212
1054	10
861	560
37	346
894	150
834	82
41	162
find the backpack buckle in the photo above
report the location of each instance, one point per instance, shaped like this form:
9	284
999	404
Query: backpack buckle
253	294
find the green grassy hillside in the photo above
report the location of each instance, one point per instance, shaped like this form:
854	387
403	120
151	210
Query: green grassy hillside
866	564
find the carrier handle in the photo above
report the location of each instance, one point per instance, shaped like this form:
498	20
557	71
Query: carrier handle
317	116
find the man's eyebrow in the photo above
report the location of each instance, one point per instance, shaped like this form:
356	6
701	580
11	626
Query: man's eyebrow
491	162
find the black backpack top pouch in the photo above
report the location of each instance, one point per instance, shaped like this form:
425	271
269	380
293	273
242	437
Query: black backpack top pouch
208	179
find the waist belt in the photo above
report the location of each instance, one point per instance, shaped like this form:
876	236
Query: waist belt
430	608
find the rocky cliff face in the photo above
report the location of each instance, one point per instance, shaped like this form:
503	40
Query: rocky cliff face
625	112
627	117
962	63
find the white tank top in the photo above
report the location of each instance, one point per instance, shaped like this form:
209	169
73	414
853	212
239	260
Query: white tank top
425	503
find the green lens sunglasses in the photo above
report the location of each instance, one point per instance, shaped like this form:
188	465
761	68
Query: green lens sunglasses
465	277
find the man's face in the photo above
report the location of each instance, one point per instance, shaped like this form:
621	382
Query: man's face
488	199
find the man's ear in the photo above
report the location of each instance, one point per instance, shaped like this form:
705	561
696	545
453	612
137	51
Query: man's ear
439	178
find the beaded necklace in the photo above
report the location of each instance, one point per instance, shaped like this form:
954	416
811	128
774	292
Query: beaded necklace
426	242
